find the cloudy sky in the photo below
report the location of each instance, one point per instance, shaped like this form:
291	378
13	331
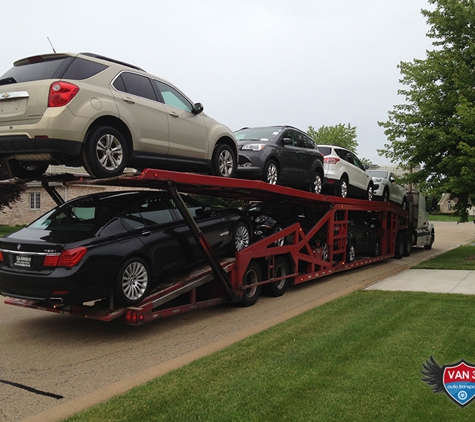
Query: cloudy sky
250	62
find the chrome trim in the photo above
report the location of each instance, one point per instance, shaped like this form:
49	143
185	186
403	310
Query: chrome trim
5	96
30	253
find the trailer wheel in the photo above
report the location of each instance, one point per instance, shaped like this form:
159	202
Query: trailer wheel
251	276
132	283
281	269
224	161
407	243
241	237
351	252
105	152
23	171
399	247
271	173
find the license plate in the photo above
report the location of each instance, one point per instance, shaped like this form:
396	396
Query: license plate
22	261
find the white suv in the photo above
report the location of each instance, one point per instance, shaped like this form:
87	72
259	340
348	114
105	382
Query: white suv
345	175
93	111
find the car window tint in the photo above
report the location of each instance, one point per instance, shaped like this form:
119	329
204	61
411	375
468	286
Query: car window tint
325	150
83	69
135	84
155	212
290	134
172	97
309	143
35	71
132	219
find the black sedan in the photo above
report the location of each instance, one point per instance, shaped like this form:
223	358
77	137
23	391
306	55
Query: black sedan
280	155
122	243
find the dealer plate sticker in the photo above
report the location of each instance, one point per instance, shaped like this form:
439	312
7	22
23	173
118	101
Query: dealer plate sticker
22	261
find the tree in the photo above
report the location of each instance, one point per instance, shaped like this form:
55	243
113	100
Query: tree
434	130
9	194
344	136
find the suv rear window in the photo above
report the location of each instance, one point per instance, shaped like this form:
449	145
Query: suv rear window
60	68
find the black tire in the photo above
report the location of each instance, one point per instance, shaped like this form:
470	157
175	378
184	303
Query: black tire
105	152
271	173
376	248
385	197
407	238
399	247
132	283
275	229
370	192
281	269
351	252
404	204
251	276
429	246
343	192
316	186
23	171
241	237
224	162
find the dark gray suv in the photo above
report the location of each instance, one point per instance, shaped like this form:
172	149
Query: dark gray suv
280	155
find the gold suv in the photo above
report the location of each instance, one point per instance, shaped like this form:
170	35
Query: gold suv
103	114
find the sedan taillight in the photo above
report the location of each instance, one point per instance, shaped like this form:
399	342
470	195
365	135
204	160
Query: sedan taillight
61	93
331	160
68	258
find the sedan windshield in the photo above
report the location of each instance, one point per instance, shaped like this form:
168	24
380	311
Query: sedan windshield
378	173
257	133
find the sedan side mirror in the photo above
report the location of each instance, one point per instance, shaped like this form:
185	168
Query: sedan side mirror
197	108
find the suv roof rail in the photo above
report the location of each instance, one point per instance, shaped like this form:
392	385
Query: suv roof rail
98	56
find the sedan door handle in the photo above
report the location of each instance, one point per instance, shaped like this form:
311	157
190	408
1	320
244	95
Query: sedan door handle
146	233
174	114
128	100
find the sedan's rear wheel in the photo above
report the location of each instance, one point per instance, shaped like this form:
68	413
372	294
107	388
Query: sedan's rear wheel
24	171
105	152
224	161
241	237
132	283
271	173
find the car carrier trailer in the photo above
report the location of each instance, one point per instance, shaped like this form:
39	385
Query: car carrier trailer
266	265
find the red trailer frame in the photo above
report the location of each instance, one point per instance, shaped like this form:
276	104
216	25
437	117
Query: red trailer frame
260	264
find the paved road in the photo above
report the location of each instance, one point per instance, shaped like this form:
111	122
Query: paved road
68	363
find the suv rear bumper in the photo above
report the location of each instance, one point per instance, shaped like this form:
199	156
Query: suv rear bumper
22	145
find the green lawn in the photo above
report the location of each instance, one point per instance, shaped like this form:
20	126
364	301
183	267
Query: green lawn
357	358
461	258
8	229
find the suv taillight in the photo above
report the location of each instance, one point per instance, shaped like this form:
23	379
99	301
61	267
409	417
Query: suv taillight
1	256
331	160
61	93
